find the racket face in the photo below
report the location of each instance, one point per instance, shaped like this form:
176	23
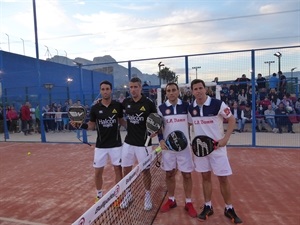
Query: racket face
77	113
176	141
203	146
154	122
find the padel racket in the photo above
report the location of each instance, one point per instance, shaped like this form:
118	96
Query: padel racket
154	123
77	114
176	141
203	145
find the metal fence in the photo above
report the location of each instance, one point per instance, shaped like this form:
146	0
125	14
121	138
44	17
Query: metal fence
226	66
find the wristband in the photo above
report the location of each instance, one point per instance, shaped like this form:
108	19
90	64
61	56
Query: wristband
160	137
84	126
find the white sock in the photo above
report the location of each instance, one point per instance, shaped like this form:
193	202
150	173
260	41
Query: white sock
188	200
228	206
172	198
99	193
208	203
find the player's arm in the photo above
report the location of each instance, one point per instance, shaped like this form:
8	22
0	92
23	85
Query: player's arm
230	128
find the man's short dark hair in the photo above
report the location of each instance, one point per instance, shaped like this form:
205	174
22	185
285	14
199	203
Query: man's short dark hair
172	83
106	82
136	80
197	81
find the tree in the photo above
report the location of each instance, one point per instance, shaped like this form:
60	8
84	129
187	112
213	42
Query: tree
167	75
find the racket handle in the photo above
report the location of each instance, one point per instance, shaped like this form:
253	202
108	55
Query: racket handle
147	141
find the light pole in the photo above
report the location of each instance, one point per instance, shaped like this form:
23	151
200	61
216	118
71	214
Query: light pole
196	68
69	80
292	71
49	86
8	43
160	64
23	46
269	62
278	55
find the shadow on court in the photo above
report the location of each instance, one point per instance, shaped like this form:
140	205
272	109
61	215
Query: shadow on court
54	184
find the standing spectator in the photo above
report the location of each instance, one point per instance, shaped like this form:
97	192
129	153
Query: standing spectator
37	118
33	121
270	118
282	82
25	118
282	118
58	120
137	108
146	89
64	116
121	98
12	116
273	82
176	110
244	83
261	82
211	112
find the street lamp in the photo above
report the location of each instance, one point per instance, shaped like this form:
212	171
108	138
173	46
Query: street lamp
69	80
196	68
23	46
49	86
160	64
278	55
292	71
8	42
269	62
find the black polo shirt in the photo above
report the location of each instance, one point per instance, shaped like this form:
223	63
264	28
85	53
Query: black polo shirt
136	115
107	124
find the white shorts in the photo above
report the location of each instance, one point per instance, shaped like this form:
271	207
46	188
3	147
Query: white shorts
182	160
131	153
217	162
101	156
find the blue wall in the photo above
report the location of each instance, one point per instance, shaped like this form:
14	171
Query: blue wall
20	81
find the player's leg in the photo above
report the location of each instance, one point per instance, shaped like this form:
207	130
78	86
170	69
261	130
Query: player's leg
141	154
169	165
185	164
115	155
100	161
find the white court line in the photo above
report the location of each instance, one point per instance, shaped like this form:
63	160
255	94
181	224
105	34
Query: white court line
9	146
24	222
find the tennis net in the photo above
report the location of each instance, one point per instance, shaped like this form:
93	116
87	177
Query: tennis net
105	211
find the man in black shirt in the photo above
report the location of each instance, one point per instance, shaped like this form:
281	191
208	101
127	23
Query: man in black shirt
137	108
105	116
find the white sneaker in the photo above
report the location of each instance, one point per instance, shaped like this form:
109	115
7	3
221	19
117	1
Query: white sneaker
148	202
126	201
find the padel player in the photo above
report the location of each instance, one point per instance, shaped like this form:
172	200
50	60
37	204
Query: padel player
206	114
137	108
175	111
106	115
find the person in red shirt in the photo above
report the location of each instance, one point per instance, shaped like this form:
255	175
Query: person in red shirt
12	119
26	118
264	103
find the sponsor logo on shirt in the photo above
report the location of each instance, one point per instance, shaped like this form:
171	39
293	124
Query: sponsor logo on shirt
203	122
142	109
136	119
109	122
114	111
175	120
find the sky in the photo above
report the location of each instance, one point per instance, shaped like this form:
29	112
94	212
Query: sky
129	30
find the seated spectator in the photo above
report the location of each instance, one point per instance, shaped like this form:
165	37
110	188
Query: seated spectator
273	97
236	112
297	106
270	118
242	97
262	94
232	97
282	118
260	119
246	116
288	103
265	103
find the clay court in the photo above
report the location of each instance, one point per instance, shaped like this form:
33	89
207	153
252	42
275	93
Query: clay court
53	184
